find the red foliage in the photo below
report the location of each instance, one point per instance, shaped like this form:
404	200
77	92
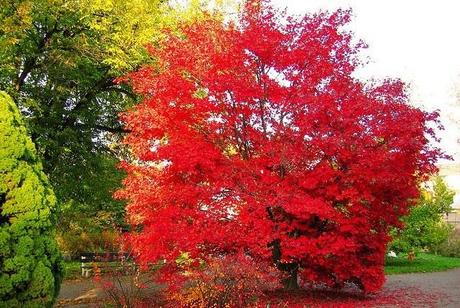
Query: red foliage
401	297
227	281
254	136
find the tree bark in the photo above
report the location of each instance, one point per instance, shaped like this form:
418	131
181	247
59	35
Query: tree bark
29	63
291	281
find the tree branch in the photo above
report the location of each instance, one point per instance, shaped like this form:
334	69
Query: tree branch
105	128
31	62
115	130
123	91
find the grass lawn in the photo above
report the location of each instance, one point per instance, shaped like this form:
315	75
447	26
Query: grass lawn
423	263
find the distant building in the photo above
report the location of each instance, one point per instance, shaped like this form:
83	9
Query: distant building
450	172
454	219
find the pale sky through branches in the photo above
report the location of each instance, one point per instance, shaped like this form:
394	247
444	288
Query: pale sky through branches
417	41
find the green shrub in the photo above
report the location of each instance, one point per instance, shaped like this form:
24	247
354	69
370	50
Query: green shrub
424	227
75	241
450	247
30	262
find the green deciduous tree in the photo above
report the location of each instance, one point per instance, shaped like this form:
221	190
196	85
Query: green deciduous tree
59	60
30	262
424	227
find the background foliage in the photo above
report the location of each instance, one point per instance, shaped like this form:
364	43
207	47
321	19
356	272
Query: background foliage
59	60
424	226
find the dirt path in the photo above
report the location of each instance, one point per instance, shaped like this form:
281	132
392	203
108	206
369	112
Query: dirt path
79	293
441	289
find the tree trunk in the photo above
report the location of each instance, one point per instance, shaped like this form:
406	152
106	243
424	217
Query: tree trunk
289	283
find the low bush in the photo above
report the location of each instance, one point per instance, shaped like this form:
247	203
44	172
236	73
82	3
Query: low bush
450	247
230	281
75	242
126	286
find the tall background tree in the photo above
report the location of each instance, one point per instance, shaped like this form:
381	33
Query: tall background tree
254	137
30	262
59	60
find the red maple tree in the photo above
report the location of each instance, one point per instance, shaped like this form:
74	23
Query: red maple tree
254	136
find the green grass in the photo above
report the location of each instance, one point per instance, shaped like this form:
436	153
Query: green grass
423	263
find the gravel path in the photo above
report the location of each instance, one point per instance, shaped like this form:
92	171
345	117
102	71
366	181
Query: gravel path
444	284
441	289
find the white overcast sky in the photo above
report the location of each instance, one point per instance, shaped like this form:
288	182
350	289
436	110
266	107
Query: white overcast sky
417	41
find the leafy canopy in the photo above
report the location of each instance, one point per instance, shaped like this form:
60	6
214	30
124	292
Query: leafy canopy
254	137
58	60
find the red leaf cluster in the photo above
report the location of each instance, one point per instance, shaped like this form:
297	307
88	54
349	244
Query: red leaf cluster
226	281
254	136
